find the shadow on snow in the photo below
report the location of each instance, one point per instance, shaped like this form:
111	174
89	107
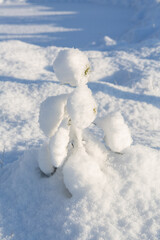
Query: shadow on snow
112	91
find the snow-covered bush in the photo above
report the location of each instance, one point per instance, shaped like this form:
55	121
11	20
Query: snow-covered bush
64	120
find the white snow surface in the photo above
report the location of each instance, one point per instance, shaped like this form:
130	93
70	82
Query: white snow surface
121	200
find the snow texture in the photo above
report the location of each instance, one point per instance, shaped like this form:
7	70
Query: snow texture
124	78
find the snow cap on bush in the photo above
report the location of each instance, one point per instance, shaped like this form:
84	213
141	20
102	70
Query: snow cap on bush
72	67
52	111
81	107
117	134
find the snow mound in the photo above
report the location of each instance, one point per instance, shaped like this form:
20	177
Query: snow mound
81	107
82	175
72	67
116	132
128	204
138	168
52	111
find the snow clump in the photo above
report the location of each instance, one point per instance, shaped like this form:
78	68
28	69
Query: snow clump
72	67
52	111
109	41
81	107
58	145
116	132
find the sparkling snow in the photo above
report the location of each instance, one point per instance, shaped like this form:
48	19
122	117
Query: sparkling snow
118	197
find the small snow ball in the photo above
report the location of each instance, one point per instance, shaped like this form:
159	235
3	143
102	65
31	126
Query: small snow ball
117	134
52	111
72	67
109	41
81	107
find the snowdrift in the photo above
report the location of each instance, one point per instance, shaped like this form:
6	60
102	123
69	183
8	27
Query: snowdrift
43	208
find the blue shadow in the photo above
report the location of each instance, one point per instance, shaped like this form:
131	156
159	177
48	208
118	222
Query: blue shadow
112	91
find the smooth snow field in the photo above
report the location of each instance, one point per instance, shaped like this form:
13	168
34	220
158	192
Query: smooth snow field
122	42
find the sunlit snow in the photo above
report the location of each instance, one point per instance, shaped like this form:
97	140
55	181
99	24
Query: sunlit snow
98	194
